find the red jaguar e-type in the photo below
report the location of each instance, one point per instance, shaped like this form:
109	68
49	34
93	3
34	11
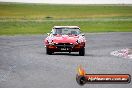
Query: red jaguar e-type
65	39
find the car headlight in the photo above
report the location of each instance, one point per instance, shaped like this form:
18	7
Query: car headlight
51	42
79	41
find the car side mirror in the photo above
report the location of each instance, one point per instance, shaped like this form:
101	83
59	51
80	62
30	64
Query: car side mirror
48	34
83	34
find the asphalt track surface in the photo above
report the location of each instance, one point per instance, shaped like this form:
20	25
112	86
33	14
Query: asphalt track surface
24	64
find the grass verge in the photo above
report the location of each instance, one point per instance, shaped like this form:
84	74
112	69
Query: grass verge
40	18
44	27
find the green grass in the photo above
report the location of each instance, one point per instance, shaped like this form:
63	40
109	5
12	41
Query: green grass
41	11
11	16
44	27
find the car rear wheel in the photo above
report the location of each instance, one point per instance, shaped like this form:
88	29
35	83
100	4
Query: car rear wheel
48	51
82	52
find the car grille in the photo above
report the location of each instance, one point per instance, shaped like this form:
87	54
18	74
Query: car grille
64	45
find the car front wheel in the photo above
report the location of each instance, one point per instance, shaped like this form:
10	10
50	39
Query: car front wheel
48	51
82	52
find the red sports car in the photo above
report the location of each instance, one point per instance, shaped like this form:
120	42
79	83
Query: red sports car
65	39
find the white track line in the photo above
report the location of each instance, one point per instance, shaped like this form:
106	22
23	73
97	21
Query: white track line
66	20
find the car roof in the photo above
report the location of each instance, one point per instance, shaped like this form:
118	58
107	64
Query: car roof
66	27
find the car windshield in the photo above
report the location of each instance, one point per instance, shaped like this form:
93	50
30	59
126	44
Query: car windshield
66	31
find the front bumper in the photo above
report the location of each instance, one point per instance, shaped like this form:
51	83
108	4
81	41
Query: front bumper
65	47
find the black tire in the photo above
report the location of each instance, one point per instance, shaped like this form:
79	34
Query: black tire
48	51
82	52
